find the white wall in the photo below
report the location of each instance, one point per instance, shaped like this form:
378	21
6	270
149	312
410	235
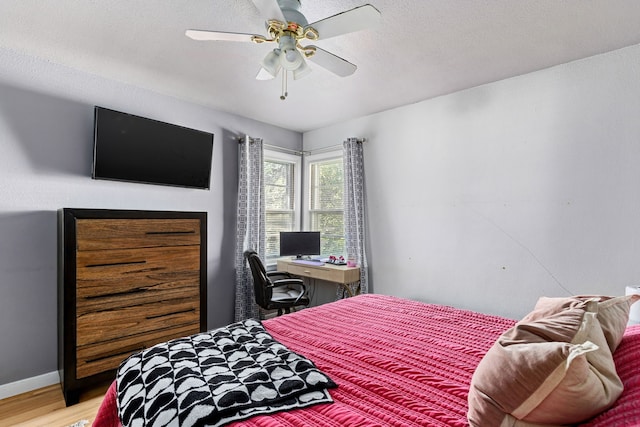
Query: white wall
491	197
46	141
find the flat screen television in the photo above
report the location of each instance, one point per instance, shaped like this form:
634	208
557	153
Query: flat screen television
299	243
137	149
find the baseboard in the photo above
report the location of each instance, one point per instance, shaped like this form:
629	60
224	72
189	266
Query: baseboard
28	384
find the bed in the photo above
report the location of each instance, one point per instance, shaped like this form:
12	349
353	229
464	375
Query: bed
398	362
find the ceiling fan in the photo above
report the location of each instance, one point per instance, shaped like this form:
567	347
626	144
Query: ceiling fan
287	27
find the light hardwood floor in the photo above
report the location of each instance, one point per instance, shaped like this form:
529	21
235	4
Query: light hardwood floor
45	407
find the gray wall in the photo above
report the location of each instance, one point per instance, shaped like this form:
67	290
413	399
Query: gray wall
46	137
491	197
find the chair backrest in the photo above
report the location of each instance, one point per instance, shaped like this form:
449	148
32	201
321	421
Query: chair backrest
261	283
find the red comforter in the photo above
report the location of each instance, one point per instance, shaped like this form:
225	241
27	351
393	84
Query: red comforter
396	362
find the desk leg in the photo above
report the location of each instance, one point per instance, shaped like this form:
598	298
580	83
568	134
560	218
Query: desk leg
346	287
350	292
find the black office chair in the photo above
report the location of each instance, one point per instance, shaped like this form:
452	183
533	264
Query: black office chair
275	289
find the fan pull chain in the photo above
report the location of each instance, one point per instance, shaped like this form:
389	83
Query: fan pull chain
285	92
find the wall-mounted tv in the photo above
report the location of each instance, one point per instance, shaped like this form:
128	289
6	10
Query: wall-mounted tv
137	149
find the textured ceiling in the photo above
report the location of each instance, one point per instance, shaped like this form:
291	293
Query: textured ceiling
421	49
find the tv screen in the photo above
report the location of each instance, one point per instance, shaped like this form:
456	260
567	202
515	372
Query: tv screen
299	243
137	149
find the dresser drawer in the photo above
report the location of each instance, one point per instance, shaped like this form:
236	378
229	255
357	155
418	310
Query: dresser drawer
101	326
91	299
140	263
108	279
93	234
330	273
105	338
104	356
316	272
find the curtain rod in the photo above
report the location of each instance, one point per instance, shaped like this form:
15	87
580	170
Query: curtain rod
330	148
277	148
300	152
285	150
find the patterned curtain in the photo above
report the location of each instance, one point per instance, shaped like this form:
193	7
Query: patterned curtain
250	231
354	207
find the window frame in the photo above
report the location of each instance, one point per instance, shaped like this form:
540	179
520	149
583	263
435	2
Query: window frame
296	161
308	160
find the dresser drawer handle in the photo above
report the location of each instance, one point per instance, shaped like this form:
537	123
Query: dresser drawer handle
117	294
112	264
157	316
168	232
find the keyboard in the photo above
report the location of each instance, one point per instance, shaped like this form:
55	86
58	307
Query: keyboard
307	262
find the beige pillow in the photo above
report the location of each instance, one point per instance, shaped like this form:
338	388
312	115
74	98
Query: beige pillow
553	367
613	312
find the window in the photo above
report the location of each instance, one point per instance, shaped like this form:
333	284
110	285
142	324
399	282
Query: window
325	211
282	198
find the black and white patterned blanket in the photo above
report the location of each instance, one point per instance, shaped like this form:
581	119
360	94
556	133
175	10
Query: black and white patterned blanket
216	377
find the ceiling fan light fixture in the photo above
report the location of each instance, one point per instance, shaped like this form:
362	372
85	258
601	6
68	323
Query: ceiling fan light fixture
264	75
291	57
291	60
271	63
302	70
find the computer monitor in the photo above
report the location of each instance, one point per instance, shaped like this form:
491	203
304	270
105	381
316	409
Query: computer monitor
299	243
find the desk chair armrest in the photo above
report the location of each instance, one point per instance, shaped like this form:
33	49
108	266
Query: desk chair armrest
293	282
276	274
298	283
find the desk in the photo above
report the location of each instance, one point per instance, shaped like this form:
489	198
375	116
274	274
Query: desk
340	274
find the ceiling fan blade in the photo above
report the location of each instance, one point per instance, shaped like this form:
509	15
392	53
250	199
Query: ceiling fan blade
352	20
333	63
270	9
218	36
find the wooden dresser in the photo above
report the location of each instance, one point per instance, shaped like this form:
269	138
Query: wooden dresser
127	280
